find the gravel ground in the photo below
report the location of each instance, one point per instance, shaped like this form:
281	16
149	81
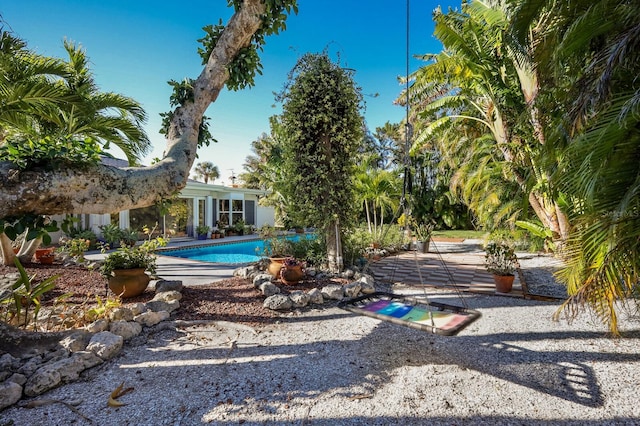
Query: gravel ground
328	367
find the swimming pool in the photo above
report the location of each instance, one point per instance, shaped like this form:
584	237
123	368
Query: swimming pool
238	252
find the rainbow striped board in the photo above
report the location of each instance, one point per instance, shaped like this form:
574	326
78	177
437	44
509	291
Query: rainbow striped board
434	317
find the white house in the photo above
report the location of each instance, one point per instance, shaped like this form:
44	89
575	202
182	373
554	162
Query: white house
216	206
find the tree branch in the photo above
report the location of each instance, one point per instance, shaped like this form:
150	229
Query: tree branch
104	189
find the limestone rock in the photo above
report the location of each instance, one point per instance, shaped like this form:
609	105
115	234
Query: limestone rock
315	296
261	279
97	326
8	362
367	284
151	318
121	314
10	393
333	292
245	272
20	379
77	341
138	308
126	329
278	302
352	289
165	285
52	374
269	289
159	305
105	344
167	296
348	274
299	298
42	380
30	367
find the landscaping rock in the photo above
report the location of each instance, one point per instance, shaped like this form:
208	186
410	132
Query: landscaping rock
352	289
269	289
159	305
164	285
126	329
367	284
299	298
77	341
105	344
138	308
167	296
30	367
246	271
261	279
151	318
10	393
315	296
332	292
348	274
121	314
97	326
64	370
18	378
278	302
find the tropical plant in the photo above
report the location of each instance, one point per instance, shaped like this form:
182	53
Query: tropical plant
322	121
423	231
202	229
26	294
139	256
588	53
75	247
207	171
379	191
471	95
245	32
500	258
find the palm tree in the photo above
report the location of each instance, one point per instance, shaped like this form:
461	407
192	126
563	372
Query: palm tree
589	53
206	170
28	90
482	77
43	97
378	191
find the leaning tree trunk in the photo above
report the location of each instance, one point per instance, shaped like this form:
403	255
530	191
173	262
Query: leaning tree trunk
103	189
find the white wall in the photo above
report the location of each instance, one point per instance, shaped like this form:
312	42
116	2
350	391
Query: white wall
265	216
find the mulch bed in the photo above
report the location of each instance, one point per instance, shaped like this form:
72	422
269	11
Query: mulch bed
233	299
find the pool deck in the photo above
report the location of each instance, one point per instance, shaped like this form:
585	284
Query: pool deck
192	272
448	264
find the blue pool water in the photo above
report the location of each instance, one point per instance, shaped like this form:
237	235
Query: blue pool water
239	252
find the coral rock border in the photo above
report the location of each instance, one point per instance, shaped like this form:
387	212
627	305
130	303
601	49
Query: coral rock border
58	358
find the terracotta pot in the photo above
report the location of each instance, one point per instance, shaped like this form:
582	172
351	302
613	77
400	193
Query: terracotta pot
47	259
504	283
291	274
275	266
129	282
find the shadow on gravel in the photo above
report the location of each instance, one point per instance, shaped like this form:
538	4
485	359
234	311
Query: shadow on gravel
285	371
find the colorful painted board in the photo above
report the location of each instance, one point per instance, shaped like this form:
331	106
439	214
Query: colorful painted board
434	317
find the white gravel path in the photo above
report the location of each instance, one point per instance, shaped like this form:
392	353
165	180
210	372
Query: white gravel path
328	367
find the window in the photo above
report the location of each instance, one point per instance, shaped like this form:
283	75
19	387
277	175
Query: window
238	210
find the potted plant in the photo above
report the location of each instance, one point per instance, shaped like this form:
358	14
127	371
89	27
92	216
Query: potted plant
126	267
291	271
500	259
423	233
202	231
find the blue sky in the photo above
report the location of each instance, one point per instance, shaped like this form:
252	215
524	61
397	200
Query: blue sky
135	47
